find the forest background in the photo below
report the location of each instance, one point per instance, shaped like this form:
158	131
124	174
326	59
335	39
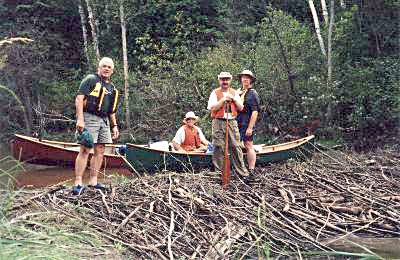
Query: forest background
336	75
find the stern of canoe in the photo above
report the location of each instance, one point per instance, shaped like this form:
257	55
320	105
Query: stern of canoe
299	149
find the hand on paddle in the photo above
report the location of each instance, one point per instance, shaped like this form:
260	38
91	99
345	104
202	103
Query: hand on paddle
229	98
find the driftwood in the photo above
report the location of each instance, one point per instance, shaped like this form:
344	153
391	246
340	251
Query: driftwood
10	41
289	208
383	246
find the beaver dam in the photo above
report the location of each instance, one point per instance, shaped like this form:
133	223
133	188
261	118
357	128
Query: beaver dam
330	201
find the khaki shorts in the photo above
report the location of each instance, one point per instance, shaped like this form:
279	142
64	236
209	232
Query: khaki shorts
98	127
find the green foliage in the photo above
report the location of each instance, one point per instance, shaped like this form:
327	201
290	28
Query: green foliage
284	103
37	239
369	101
177	48
172	89
297	9
368	91
33	71
175	88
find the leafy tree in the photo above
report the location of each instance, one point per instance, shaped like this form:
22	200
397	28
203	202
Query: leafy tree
367	55
288	103
31	71
176	49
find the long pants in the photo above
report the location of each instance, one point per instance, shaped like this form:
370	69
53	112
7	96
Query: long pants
218	139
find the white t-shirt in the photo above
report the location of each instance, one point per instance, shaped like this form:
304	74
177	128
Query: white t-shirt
214	100
180	135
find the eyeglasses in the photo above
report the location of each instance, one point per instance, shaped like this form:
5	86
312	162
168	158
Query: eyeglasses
223	79
187	119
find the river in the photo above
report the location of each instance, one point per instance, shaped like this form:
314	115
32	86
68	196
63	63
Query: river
24	175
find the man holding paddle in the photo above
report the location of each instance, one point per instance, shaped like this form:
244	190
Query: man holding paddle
224	104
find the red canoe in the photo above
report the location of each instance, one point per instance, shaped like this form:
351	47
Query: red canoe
55	153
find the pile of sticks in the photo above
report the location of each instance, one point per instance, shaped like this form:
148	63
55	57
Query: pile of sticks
289	208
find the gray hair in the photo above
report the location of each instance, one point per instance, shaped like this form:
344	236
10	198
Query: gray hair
106	60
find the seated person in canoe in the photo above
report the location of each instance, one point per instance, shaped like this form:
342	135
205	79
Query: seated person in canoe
189	137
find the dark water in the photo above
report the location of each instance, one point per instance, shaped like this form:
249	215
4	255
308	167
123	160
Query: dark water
50	176
23	175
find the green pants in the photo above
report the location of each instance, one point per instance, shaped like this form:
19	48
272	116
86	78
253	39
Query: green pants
218	139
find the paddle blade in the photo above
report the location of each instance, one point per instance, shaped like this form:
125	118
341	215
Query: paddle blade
226	173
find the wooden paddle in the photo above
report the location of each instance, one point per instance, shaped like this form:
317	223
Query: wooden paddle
226	173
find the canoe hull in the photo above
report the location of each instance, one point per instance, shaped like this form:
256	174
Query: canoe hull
53	153
143	158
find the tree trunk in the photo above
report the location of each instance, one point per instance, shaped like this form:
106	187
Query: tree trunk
28	116
316	25
329	62
331	22
108	15
96	23
84	30
93	26
325	12
125	57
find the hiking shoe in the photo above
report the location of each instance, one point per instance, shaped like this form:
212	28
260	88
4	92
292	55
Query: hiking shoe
78	189
98	186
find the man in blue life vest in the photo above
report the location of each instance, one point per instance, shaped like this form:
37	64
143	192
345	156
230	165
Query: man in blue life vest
219	98
96	105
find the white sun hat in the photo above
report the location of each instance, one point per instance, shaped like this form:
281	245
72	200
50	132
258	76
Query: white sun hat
224	75
191	114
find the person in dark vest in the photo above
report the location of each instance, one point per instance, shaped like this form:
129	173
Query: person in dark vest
189	137
96	105
247	118
216	104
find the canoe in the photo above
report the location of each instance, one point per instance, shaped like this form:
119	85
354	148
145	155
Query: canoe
150	159
56	153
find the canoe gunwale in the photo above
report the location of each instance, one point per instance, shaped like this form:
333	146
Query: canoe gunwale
55	153
274	148
146	158
60	145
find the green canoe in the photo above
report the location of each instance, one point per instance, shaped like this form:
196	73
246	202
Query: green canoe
150	159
